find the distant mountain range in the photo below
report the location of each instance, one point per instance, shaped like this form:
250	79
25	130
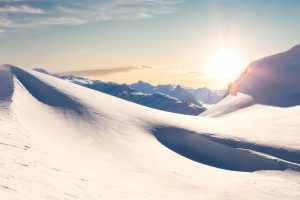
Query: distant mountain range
196	96
171	98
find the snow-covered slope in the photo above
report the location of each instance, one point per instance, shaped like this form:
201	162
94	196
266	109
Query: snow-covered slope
59	140
272	81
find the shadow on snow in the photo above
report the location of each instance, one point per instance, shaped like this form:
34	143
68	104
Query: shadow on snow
225	153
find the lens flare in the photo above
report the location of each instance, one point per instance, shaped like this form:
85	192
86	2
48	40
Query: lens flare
225	64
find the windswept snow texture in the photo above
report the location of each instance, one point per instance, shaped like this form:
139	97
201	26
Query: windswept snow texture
229	104
273	80
49	154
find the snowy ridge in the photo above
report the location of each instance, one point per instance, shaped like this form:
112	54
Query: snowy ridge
89	145
229	104
273	80
46	93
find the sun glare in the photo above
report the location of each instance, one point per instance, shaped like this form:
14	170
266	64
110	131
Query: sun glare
225	64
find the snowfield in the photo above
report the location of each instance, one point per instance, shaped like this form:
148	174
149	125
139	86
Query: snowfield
60	140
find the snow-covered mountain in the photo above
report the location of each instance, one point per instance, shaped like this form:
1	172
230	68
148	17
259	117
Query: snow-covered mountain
273	81
208	96
60	140
196	96
155	100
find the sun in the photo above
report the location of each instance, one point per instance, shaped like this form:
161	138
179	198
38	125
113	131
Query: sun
225	64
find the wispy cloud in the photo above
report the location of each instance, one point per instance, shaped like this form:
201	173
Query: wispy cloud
23	14
103	72
20	9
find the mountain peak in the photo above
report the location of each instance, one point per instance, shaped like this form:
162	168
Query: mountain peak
272	80
142	82
178	88
296	48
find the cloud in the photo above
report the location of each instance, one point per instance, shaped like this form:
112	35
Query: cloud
103	72
20	9
16	15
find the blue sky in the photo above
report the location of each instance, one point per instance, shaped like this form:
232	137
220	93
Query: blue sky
176	38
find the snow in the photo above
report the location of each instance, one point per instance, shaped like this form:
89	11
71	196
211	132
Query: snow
155	100
264	101
229	104
196	96
273	80
90	145
6	89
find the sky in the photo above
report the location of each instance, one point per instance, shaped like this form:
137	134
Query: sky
190	42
